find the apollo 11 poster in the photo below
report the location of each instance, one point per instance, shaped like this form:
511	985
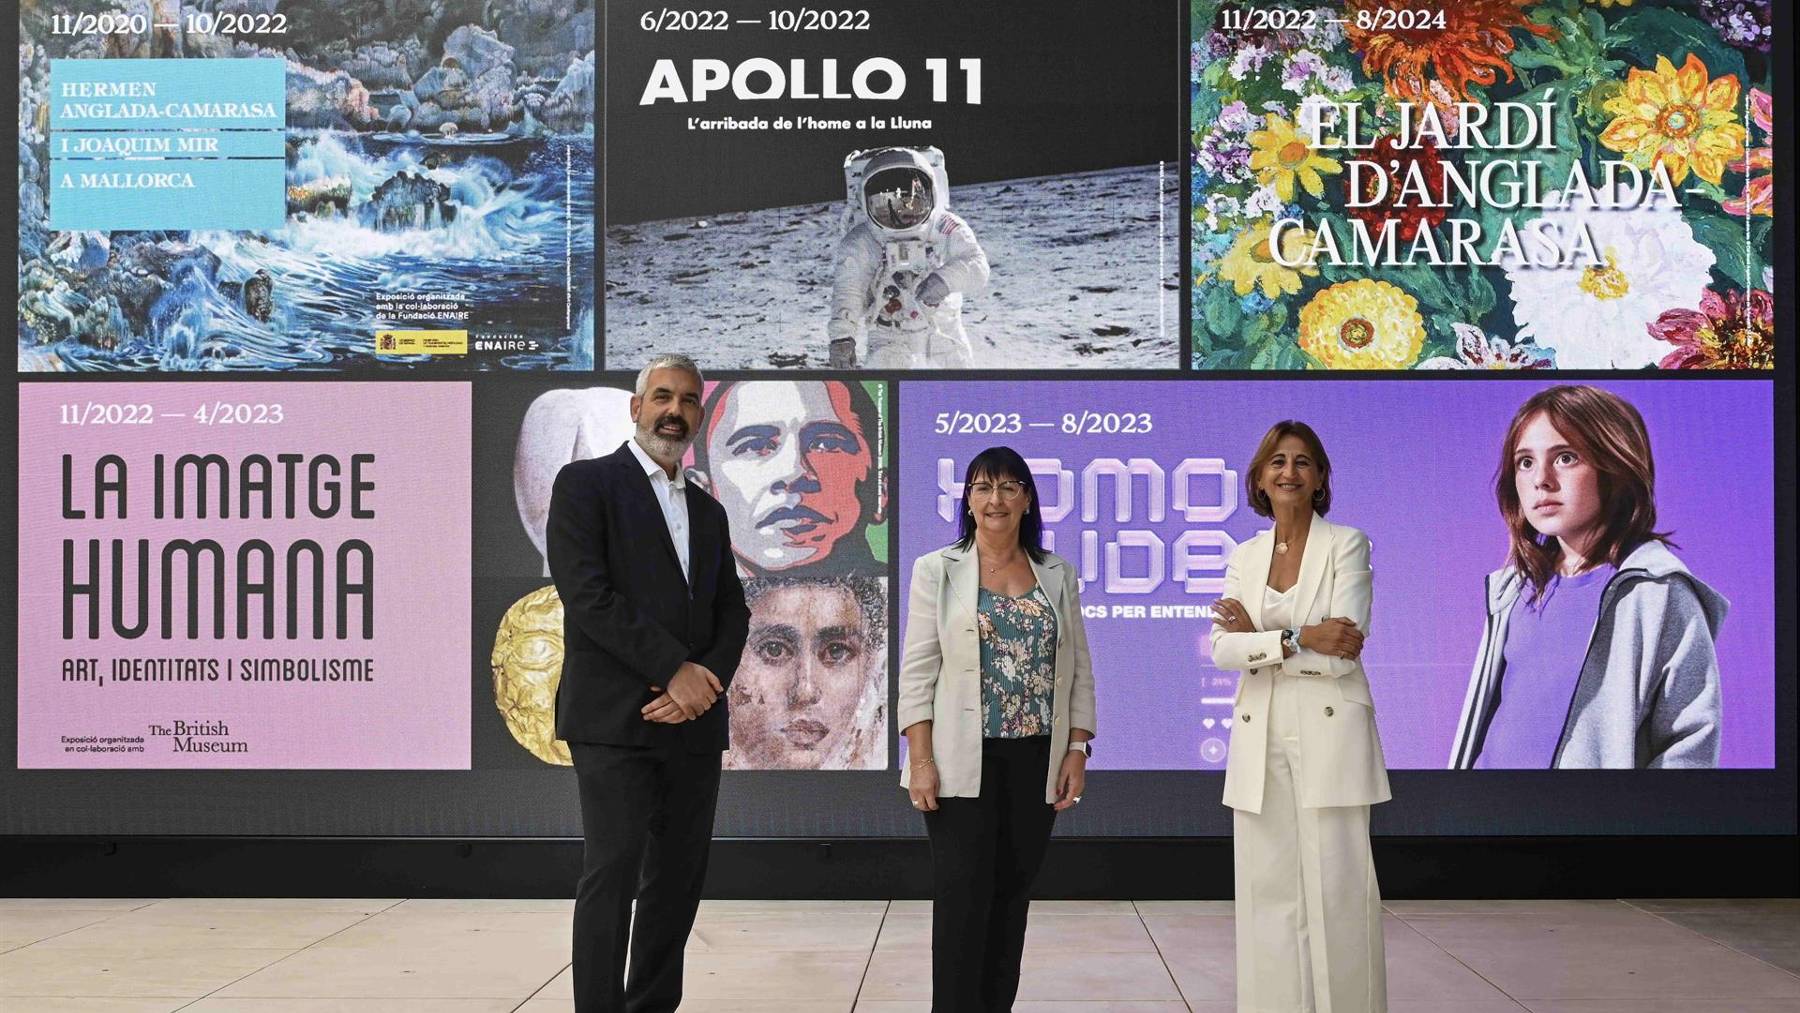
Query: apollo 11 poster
927	186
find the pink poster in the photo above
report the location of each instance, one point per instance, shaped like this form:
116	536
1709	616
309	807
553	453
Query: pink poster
244	575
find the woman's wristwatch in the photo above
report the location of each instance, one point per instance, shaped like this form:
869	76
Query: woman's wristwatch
1290	641
1083	748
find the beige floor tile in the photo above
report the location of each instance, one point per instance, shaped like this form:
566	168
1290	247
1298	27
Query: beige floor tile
909	930
1769	932
560	988
785	906
494	967
160	927
1791	905
1586	956
906	975
1200	951
1502	1005
1099	933
437	907
1095	933
1203	908
320	905
477	956
1661	1006
1082	907
1578	917
897	973
1553	908
1418	969
29	925
40	970
385	1005
1038	907
826	931
1111	976
89	1004
701	1004
773	977
1106	933
909	907
1127	1006
454	933
75	903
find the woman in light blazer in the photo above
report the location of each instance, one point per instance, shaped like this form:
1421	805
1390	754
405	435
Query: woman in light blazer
997	705
1305	761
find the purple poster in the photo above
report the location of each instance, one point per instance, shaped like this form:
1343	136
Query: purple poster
1142	488
244	575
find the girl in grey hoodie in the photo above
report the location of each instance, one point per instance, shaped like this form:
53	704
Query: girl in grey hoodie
1598	646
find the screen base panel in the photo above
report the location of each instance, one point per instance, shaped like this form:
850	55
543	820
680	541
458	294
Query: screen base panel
1410	868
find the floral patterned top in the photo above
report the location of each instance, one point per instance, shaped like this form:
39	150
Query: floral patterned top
1018	663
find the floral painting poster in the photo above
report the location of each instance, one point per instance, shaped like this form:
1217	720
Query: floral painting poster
1485	184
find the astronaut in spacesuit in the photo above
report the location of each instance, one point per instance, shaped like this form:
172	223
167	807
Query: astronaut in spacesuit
904	265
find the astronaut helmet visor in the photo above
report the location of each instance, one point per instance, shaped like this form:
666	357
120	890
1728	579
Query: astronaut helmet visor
898	198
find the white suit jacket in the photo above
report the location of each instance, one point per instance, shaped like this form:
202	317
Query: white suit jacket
940	666
1341	761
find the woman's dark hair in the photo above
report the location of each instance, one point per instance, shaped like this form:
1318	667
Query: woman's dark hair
1609	433
997	464
1259	500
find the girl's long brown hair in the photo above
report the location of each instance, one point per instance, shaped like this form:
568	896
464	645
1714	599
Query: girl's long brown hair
1610	435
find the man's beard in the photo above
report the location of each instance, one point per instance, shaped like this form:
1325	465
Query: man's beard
661	446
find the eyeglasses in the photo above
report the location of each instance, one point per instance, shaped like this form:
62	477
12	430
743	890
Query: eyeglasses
1007	491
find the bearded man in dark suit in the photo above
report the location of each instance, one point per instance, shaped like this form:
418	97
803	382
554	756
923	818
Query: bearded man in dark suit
654	623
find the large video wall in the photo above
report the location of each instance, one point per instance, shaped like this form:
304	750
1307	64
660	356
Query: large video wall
314	299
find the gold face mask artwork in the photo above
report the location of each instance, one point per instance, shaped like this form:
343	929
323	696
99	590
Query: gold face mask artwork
527	664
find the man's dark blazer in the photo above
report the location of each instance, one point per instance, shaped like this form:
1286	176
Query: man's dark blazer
629	620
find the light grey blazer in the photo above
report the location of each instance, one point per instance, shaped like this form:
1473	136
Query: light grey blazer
940	666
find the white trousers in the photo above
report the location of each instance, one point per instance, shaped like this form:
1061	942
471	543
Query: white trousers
1308	907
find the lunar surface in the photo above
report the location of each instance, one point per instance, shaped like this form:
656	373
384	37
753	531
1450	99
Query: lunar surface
1084	275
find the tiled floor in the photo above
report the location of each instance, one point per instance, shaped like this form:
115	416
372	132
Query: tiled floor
414	956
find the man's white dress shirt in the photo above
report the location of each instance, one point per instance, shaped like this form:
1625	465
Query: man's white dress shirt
671	494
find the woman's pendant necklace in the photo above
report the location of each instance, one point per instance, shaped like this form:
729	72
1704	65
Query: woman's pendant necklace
1281	548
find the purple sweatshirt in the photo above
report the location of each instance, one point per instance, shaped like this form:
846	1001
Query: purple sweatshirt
1546	644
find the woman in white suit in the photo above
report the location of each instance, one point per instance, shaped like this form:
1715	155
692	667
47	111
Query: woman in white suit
997	705
1305	762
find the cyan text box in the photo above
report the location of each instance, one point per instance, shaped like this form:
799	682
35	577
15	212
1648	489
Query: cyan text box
162	94
190	194
81	145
